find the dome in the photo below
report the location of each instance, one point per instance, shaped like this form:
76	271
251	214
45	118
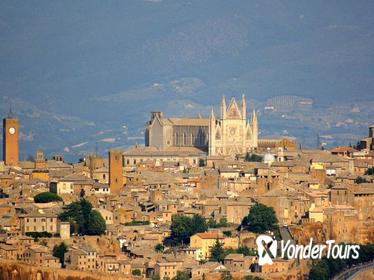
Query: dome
268	157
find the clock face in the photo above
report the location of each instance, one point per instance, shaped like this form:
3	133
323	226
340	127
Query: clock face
12	130
232	131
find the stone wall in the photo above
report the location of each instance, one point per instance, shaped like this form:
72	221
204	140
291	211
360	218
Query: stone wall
20	271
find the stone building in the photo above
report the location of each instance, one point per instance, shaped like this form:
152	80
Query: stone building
38	221
164	132
367	143
228	135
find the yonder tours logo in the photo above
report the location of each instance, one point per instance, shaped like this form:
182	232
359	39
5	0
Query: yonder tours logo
268	249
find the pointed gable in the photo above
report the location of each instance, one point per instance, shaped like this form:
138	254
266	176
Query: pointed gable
233	112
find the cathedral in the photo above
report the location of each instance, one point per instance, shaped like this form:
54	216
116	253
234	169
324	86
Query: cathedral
230	134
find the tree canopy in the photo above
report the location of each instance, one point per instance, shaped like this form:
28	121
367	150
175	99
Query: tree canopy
253	157
59	252
217	253
136	272
328	268
46	197
181	275
183	227
360	180
222	223
260	219
83	219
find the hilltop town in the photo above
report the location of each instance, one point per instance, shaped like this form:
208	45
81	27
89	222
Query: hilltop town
188	204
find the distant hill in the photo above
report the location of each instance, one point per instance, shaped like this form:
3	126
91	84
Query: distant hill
72	70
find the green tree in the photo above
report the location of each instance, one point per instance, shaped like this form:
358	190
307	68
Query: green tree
212	223
252	157
136	272
83	219
217	253
251	277
246	251
46	197
59	252
96	223
227	233
156	277
360	180
226	275
260	219
222	223
198	224
181	275
182	227
159	248
320	271
328	268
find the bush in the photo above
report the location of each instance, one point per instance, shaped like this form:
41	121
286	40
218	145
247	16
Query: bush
136	272
137	223
159	248
222	223
37	234
227	233
182	275
360	180
46	197
250	277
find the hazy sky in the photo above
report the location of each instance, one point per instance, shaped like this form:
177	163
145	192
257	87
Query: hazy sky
70	64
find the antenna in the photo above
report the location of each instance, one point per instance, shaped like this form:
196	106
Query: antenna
10	114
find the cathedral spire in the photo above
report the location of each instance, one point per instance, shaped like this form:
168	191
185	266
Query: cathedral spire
212	117
223	107
244	107
254	129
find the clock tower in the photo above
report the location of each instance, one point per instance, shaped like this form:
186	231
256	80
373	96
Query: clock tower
10	138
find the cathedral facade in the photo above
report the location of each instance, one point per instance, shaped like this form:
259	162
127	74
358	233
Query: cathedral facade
232	133
228	135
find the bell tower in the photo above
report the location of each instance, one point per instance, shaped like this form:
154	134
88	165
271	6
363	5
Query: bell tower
115	171
10	140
